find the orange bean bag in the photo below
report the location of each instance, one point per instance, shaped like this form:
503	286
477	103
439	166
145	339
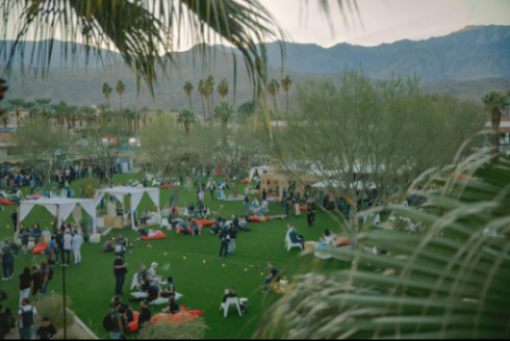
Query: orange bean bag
204	222
39	248
259	220
158	235
342	241
190	230
184	316
245	181
303	208
179	232
133	326
7	202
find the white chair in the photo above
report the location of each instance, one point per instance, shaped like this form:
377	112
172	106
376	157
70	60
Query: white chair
165	224
233	301
155	183
134	283
377	220
289	244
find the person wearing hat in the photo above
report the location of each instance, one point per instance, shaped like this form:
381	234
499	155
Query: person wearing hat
152	270
229	293
120	270
46	331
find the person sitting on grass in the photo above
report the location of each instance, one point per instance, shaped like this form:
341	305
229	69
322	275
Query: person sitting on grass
195	228
173	308
151	294
145	314
170	291
142	272
183	231
165	213
274	276
142	233
108	246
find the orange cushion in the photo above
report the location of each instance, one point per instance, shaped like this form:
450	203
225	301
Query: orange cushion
177	318
133	326
303	208
342	241
39	248
244	181
204	222
190	230
258	220
7	202
179	232
158	235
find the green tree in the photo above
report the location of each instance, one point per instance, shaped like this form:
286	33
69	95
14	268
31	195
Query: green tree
210	90
186	117
188	88
43	102
246	109
103	108
17	103
59	109
495	103
106	90
223	112
223	89
29	107
274	87
120	88
286	85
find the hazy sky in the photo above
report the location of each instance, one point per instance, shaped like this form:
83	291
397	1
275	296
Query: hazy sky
384	21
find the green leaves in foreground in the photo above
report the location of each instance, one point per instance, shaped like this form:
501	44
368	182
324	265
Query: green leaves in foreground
448	281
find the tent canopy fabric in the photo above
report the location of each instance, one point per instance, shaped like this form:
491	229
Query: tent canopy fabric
328	184
65	207
136	194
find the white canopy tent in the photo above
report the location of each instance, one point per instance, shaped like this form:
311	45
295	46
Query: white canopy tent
61	208
260	170
135	193
358	185
327	184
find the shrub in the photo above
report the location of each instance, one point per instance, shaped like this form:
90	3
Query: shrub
52	306
191	330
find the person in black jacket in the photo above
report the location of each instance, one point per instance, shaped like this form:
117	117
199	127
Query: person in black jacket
145	314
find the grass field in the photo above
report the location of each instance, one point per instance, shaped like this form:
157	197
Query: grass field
90	285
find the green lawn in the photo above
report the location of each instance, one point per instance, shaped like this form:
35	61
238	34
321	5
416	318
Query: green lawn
91	284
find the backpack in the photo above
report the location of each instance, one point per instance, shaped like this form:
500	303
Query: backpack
27	317
50	274
108	322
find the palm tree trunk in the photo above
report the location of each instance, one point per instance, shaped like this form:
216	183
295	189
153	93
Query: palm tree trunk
495	122
120	102
186	128
203	107
275	109
190	105
209	109
17	117
287	95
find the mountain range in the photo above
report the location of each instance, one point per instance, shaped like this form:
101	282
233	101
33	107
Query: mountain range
466	63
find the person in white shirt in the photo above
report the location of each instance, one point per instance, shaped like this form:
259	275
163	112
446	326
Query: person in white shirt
67	248
76	244
27	317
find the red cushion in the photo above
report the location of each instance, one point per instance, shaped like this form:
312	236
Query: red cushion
39	248
303	208
244	181
164	186
190	230
7	202
133	326
342	241
177	318
258	220
158	235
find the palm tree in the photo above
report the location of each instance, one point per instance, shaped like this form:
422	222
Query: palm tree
202	91
274	87
286	84
120	88
223	88
5	108
188	87
210	89
186	117
224	113
29	107
59	110
16	103
495	102
43	102
103	108
106	90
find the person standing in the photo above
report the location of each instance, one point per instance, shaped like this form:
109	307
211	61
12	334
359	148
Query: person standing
27	316
309	215
264	194
46	331
117	331
23	234
246	204
76	244
188	184
120	270
59	245
25	284
14	217
44	275
67	248
212	188
36	280
7	261
225	241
